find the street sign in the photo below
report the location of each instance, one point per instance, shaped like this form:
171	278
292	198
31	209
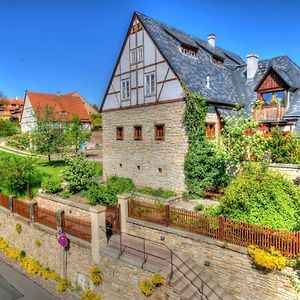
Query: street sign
63	240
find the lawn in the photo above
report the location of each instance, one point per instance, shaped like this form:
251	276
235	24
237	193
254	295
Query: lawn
53	170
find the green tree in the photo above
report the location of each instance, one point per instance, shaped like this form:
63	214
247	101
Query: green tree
19	175
96	119
48	134
75	134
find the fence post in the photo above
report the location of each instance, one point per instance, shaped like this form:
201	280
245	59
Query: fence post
31	211
11	203
167	214
98	223
221	228
123	202
59	220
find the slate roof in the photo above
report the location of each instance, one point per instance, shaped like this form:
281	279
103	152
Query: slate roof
228	83
65	106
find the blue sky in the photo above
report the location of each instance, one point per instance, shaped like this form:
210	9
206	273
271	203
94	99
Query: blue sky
61	45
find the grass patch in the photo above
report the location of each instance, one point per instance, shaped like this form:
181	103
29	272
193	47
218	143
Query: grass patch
157	192
52	170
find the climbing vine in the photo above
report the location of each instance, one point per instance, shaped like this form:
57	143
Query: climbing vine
203	167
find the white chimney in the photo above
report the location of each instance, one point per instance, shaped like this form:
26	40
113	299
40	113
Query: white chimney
211	39
252	65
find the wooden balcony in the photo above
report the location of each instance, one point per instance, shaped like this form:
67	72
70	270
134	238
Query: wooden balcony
269	113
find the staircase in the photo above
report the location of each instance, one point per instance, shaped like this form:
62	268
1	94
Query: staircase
189	280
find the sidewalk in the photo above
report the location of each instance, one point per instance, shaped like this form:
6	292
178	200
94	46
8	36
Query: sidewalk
47	286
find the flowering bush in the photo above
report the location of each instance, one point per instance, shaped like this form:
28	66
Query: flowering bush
269	260
147	287
157	279
96	275
89	295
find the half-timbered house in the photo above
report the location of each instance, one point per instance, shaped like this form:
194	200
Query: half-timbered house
144	104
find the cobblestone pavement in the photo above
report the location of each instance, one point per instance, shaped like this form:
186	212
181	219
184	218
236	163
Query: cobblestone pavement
48	285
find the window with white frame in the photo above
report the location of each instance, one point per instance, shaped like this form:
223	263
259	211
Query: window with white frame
133	56
149	84
125	89
140	54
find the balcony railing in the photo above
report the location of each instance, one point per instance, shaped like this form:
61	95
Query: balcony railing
269	113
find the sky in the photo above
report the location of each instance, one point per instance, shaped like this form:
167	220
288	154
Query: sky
73	45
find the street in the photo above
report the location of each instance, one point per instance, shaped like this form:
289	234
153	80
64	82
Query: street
14	286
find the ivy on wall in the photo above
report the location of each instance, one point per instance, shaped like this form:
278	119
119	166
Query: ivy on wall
203	167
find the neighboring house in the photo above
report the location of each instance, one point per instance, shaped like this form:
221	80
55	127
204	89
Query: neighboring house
143	107
64	107
11	108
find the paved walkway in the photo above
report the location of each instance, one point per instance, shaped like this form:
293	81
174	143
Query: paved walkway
23	283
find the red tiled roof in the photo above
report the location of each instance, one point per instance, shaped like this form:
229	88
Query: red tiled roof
69	103
13	101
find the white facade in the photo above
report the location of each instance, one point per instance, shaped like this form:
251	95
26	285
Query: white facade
28	121
140	59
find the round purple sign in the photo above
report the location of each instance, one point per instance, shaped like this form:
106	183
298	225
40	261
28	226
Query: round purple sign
63	241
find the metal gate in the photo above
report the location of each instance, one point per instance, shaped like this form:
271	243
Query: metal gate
112	220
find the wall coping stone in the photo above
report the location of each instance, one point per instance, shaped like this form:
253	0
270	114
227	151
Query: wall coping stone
164	200
190	235
286	166
64	201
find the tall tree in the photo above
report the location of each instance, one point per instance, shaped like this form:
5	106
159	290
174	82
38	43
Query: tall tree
75	133
48	134
96	120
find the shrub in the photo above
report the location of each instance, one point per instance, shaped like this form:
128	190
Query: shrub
21	141
78	173
213	210
12	253
89	295
102	194
147	287
18	228
198	207
157	279
22	254
52	185
62	285
264	197
269	260
157	192
96	275
37	243
284	148
18	175
31	265
8	128
120	184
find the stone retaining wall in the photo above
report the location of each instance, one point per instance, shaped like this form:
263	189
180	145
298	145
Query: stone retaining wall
233	270
120	281
290	170
71	208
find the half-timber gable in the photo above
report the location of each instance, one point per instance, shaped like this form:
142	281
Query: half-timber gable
140	57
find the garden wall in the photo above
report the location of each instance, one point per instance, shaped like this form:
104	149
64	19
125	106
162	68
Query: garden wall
232	269
290	170
71	208
119	279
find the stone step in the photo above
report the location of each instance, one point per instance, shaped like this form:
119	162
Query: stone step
189	292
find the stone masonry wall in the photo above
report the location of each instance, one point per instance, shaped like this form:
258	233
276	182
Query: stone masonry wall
291	171
123	157
70	208
232	270
120	281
